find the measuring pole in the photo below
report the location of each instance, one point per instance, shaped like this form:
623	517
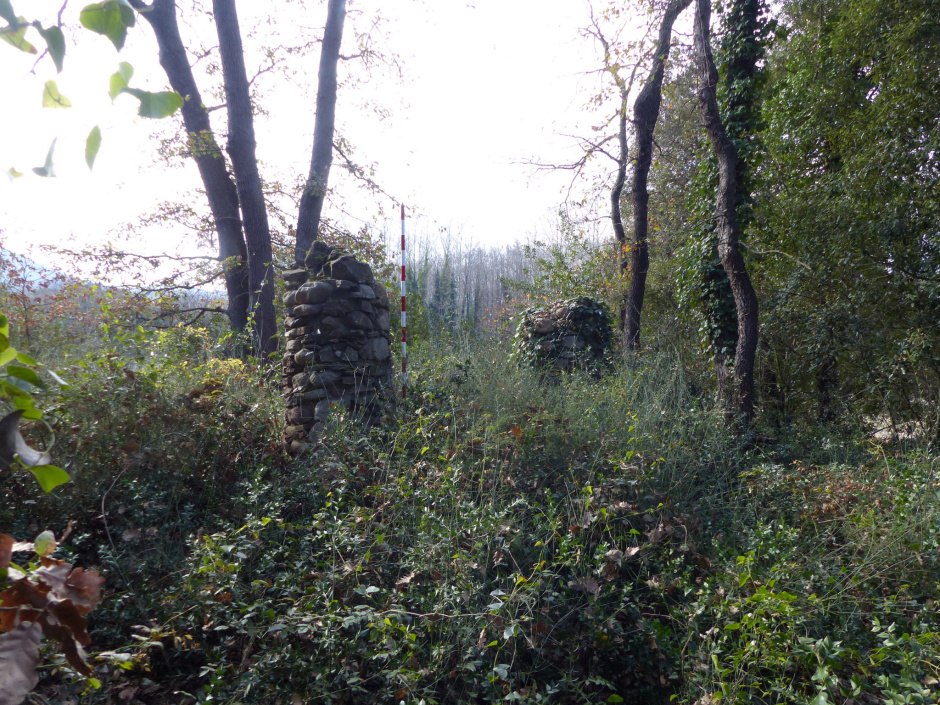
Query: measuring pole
404	311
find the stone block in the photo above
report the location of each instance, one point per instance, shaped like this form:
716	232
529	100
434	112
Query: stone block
364	292
357	319
298	414
317	255
296	433
381	295
304	357
295	276
348	268
337	308
306	310
322	411
331	325
348	354
376	349
326	379
314	292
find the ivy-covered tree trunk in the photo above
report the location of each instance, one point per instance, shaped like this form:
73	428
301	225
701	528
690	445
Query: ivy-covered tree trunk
241	149
220	188
745	298
311	202
645	115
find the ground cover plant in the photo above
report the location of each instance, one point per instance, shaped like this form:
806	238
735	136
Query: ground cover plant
496	539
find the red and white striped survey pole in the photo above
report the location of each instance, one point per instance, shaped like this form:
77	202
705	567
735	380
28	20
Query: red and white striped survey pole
404	311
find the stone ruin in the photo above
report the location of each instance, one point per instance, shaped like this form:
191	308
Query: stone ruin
573	334
338	344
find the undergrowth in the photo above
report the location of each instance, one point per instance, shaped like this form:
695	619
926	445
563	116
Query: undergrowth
502	537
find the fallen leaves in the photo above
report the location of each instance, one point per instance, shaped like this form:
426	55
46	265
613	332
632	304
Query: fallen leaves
53	600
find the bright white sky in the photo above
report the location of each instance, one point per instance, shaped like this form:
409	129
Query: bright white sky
486	84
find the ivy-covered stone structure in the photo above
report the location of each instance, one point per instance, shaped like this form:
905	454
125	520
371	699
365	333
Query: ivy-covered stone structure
568	335
338	344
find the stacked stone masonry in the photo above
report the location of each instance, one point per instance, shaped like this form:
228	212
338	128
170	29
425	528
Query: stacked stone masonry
568	335
338	344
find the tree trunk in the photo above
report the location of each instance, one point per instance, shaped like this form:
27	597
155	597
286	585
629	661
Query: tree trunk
220	189
616	215
241	149
745	298
311	202
645	115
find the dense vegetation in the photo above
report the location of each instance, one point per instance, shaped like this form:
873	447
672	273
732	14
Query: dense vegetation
613	534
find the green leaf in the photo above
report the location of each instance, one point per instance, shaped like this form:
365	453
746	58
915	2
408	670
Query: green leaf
111	18
7	355
50	476
15	35
615	699
26	404
4	326
156	105
55	44
48	169
92	145
25	374
6	11
121	79
732	626
51	98
25	359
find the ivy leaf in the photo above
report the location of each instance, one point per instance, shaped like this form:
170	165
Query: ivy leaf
48	169
15	35
51	98
49	476
55	44
111	18
156	105
120	79
92	145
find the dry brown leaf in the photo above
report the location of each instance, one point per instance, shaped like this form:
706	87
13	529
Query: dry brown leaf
19	657
588	585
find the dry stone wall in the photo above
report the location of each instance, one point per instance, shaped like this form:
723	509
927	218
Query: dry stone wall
564	336
338	344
